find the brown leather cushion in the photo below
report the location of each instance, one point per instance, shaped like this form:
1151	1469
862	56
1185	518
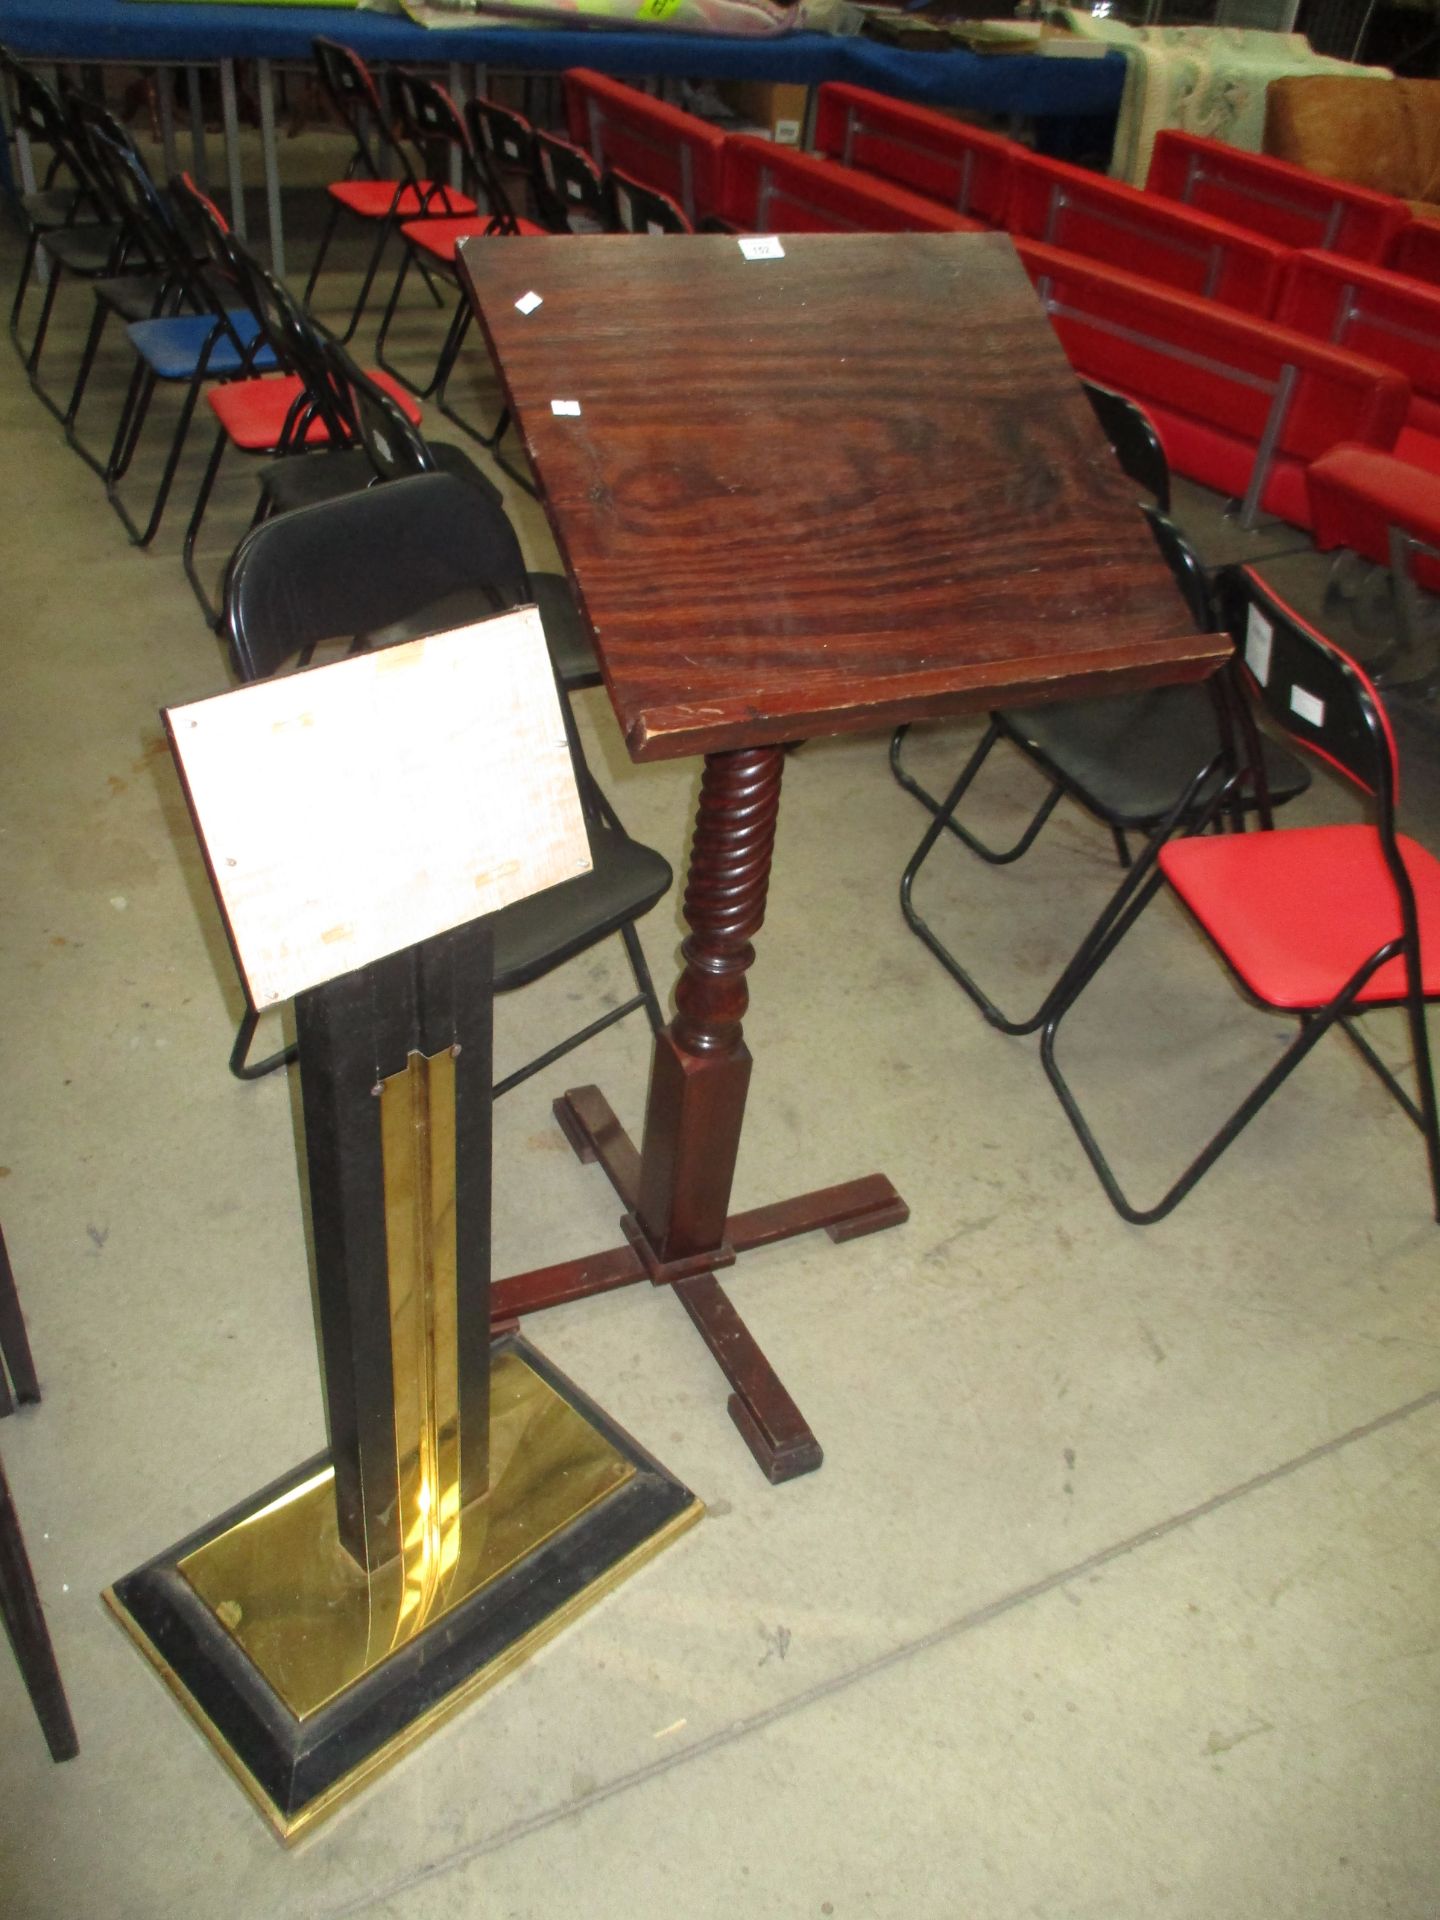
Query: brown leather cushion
1382	134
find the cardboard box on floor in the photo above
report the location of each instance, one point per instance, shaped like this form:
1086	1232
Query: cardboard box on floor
773	107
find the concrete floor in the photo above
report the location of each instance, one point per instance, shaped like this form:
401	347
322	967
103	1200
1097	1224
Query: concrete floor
1117	1594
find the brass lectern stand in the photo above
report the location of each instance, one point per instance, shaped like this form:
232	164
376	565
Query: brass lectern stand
472	1501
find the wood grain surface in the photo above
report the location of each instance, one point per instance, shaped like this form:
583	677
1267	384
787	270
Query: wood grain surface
855	485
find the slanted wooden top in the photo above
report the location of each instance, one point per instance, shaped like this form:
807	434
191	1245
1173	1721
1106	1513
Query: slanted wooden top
824	493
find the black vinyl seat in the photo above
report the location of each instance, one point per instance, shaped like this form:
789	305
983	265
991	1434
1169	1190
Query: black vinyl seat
396	561
1137	762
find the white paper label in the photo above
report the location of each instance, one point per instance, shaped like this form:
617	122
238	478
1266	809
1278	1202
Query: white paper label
565	406
528	302
1259	633
1307	706
762	247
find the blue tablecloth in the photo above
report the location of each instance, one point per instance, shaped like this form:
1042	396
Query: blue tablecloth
998	84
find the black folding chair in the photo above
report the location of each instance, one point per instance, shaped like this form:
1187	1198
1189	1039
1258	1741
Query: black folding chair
567	186
1318	923
1141	763
416	556
636	208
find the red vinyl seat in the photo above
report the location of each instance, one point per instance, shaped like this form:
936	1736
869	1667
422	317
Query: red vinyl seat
382	199
1295	913
255	414
440	238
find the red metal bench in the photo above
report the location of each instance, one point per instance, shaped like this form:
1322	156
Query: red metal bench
1387	317
1292	205
1177	245
1240	405
964	167
773	189
628	132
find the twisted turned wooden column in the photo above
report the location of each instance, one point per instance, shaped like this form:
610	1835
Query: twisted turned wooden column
702	1065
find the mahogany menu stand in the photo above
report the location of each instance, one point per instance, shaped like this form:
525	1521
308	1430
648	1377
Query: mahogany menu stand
825	492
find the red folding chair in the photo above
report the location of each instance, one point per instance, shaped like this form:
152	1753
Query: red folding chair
1320	923
381	187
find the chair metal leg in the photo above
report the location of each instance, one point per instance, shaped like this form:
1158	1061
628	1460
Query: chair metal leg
202	501
391	308
1314	1025
14	1342
326	237
559	1051
82	380
141	537
641	970
29	1636
997	857
244	1069
22	287
362	299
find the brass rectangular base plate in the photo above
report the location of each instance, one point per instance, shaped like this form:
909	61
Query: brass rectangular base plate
309	1677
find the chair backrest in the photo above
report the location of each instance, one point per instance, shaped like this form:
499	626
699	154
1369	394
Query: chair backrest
503	146
354	93
1133	440
569	188
1178	245
397	449
1291	204
1387	316
1185	564
36	112
152	218
770	189
352	566
283	324
1312	690
962	166
636	208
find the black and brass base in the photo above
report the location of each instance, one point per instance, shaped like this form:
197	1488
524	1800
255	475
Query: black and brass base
310	1675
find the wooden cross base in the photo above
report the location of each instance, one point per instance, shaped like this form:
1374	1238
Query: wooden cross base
773	1427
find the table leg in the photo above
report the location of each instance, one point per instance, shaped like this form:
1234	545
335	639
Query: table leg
676	1189
701	1070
